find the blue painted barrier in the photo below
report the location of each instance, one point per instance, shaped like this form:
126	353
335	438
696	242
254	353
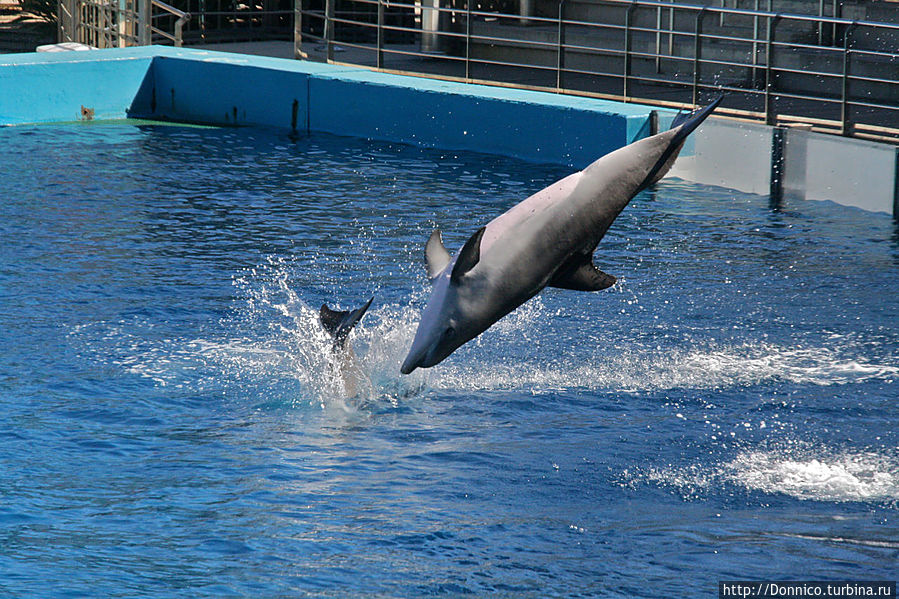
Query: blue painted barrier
228	89
52	87
200	86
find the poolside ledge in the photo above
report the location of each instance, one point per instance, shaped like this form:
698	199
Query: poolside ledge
218	88
202	86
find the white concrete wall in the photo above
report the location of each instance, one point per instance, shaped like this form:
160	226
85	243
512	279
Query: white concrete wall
728	153
816	166
847	171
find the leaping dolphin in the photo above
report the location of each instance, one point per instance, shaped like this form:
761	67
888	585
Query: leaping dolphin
546	240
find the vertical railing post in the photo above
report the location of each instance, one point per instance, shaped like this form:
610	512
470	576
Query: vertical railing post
112	25
103	21
778	151
525	10
66	21
329	29
60	21
201	21
845	126
380	57
146	16
73	20
179	30
769	60
560	50
298	30
658	57
671	29
76	20
121	24
697	51
627	48
468	40
755	40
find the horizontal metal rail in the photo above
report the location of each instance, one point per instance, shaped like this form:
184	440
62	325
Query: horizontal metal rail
776	67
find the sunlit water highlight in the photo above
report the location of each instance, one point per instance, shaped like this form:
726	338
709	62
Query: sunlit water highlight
174	423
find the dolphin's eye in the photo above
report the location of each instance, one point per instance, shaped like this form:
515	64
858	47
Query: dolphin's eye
449	332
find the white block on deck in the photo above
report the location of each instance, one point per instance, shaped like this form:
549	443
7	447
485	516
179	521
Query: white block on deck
65	47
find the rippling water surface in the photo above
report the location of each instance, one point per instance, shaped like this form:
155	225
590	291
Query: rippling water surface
171	424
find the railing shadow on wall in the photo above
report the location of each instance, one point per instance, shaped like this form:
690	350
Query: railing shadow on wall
826	73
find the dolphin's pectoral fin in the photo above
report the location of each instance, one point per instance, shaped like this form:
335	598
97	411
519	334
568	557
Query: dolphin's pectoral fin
469	256
579	274
436	255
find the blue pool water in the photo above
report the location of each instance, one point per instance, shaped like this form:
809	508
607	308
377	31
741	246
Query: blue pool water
171	425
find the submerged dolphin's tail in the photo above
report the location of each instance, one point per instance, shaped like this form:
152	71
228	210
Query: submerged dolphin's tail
683	125
340	323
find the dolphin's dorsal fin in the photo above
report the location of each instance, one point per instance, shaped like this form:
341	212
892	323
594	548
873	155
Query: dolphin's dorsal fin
339	323
579	273
436	255
469	256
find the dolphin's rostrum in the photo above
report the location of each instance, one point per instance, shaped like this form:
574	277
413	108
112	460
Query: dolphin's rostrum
546	240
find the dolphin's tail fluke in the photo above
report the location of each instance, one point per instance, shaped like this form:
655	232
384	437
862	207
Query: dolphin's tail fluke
339	323
689	121
683	125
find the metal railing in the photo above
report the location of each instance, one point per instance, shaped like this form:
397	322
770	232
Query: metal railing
169	13
228	21
120	23
828	73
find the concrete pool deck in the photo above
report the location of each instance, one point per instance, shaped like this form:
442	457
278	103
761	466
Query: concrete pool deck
219	88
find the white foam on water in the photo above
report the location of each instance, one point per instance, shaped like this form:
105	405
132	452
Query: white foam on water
843	476
276	335
273	340
797	470
636	368
879	543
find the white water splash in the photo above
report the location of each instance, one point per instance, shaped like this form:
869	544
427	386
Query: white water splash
272	347
297	348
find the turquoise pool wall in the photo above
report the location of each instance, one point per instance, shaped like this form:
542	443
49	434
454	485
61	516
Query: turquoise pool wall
529	125
52	87
228	89
232	89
